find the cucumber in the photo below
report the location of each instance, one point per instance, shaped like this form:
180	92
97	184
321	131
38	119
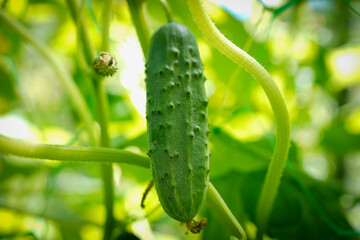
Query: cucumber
177	121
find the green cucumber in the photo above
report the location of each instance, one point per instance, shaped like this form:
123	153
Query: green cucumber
177	121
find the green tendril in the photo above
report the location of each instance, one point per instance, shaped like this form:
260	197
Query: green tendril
277	164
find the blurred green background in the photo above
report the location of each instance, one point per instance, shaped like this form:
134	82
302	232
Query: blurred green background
312	50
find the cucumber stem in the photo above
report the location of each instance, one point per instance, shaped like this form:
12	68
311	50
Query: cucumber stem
167	10
136	8
277	164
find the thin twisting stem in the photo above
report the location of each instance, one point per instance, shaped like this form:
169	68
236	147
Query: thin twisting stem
146	192
277	164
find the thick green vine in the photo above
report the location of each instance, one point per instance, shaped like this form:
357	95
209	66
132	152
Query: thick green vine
69	153
277	164
106	155
136	8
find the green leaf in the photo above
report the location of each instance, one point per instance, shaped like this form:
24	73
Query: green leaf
229	154
338	140
294	215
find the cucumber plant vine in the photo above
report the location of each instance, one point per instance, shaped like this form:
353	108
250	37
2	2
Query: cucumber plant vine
277	164
105	154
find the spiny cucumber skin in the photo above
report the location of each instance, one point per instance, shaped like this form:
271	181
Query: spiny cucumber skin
177	121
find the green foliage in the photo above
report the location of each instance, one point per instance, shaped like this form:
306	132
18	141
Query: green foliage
319	192
248	156
299	205
349	142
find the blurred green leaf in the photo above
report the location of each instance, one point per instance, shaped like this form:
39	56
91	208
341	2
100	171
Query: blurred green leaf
228	154
338	140
9	76
293	216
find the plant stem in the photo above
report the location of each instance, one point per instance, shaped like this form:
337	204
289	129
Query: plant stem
70	153
217	204
102	110
106	169
83	34
85	50
137	15
76	98
101	96
167	10
277	164
107	16
102	103
101	155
